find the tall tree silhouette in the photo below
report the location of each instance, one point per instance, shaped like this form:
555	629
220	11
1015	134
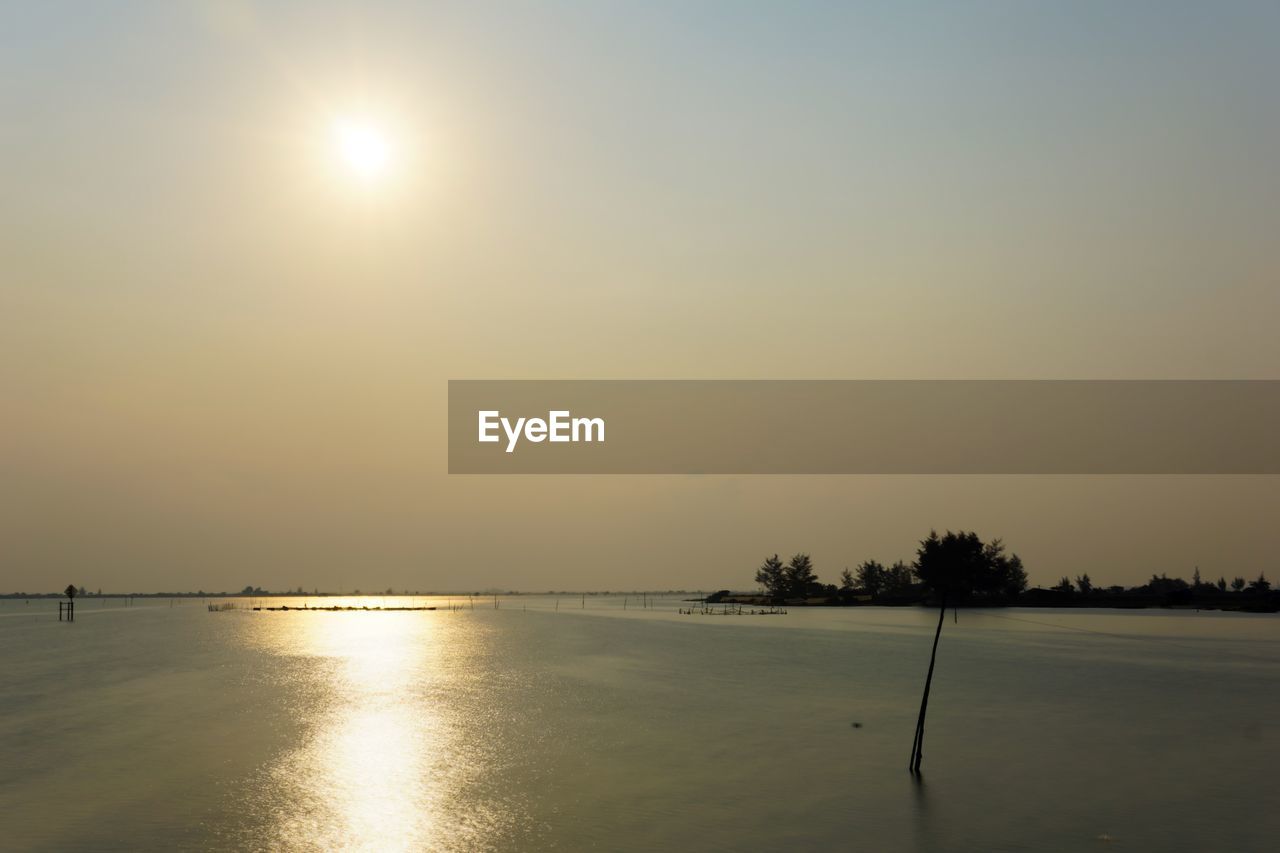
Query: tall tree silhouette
847	583
800	575
772	576
955	567
899	578
871	577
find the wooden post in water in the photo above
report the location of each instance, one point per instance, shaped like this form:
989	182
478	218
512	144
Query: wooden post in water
917	745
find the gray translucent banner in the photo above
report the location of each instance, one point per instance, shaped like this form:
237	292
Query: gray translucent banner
864	427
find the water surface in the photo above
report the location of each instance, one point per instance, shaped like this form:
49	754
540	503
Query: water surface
549	725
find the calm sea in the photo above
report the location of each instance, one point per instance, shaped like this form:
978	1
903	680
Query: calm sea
530	728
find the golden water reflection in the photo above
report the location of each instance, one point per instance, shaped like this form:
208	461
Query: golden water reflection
382	764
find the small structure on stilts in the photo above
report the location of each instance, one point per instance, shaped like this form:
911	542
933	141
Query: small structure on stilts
68	608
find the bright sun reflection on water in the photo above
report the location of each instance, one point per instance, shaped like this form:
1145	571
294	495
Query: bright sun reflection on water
379	768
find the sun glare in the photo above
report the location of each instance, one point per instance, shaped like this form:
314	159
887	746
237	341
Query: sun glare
363	149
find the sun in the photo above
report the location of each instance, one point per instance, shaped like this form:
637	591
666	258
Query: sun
363	148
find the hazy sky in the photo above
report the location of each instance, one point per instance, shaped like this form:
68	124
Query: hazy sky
223	359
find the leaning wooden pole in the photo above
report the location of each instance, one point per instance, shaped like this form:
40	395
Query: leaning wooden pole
917	745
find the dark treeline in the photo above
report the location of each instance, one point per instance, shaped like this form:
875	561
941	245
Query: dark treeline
969	571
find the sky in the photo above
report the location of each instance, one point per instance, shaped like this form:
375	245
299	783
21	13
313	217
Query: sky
224	357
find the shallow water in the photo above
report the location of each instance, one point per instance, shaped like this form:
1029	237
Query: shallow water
527	728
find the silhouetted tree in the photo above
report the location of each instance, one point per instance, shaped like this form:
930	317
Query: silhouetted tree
1064	585
899	579
1261	584
772	577
962	566
800	575
1165	584
950	565
954	567
846	580
872	577
1084	584
1222	584
1006	578
1237	584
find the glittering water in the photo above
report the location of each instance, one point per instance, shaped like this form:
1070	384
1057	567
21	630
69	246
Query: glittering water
530	728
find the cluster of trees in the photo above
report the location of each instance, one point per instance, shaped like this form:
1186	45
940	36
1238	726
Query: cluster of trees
961	566
1165	586
796	579
956	565
874	579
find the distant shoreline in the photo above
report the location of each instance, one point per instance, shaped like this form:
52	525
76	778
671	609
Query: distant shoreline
1239	602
